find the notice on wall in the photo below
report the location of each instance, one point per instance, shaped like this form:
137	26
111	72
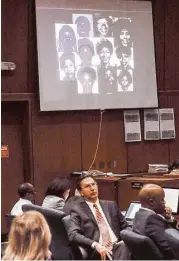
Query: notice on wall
167	124
132	126
4	151
151	124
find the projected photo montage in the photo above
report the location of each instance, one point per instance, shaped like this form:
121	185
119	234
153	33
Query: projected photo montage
96	59
96	53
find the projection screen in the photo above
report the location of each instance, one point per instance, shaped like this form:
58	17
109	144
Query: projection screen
96	59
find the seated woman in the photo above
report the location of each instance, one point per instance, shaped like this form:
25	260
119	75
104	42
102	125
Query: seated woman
56	194
29	238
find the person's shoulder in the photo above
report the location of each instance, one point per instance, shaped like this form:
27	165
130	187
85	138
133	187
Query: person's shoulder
156	219
108	202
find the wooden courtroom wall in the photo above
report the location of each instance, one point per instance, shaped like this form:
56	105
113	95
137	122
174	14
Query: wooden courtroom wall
46	144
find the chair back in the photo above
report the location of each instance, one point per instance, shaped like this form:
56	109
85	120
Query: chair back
141	247
79	252
3	248
60	247
172	236
9	218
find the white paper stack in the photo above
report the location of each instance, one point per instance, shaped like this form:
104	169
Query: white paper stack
157	168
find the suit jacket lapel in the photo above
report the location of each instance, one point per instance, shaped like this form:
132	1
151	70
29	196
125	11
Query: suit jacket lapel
105	209
87	210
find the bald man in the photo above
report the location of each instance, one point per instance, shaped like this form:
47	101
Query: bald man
154	218
27	195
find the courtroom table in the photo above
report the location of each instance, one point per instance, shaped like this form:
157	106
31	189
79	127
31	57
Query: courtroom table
128	189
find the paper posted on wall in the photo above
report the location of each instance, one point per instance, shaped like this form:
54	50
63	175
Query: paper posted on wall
167	124
151	124
132	125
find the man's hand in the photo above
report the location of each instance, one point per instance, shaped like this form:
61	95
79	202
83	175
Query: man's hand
168	213
103	251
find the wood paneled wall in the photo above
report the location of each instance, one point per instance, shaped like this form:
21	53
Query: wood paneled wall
57	143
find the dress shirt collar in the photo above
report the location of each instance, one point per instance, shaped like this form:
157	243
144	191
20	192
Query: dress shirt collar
91	204
148	209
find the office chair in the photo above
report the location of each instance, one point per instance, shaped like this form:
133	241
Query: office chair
172	236
60	246
9	218
79	252
3	248
141	247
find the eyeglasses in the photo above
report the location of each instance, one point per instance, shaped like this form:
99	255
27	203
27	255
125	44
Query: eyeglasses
89	186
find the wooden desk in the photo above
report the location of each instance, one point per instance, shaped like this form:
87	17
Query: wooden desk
123	191
128	189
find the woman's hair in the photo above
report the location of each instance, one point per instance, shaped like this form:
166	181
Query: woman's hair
67	56
63	30
104	43
29	238
57	187
125	73
88	70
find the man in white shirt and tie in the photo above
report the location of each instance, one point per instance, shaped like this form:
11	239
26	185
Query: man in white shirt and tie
96	224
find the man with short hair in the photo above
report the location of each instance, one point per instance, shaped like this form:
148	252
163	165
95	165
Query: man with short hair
27	193
154	218
96	224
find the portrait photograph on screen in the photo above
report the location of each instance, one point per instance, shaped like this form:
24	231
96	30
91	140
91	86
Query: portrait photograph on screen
95	59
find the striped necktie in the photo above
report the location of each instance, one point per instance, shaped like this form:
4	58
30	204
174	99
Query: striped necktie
103	228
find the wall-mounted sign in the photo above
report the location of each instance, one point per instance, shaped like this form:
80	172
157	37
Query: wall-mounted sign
136	185
4	151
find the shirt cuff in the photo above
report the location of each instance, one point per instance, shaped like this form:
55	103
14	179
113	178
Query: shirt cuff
93	244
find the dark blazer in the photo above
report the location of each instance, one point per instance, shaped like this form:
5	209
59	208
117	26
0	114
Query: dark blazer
84	229
152	225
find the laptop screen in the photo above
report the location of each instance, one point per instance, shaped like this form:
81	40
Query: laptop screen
172	198
133	208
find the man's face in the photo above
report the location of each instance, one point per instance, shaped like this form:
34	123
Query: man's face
105	55
102	26
89	189
159	202
69	68
31	195
125	37
86	53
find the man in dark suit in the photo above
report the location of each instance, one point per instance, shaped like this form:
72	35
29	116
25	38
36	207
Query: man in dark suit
96	224
154	218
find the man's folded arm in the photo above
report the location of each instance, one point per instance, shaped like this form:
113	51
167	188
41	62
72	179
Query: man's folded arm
155	230
75	232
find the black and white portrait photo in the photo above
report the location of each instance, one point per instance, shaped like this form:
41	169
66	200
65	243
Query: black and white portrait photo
87	80
84	24
124	54
104	50
102	25
125	83
122	32
107	79
67	67
66	37
86	51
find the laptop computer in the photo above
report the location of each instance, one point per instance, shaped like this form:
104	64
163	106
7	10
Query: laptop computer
131	211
